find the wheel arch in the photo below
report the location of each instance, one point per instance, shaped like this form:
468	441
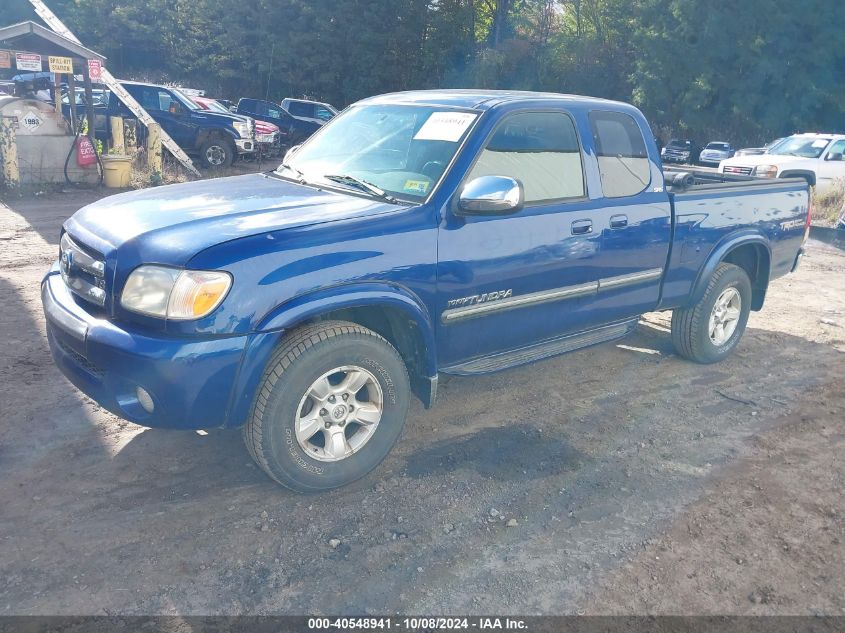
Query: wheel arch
806	174
393	312
749	251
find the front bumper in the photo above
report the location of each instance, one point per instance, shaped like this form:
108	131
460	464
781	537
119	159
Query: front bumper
245	146
190	380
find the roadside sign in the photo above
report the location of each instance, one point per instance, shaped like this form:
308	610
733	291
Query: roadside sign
63	65
5	59
28	61
95	70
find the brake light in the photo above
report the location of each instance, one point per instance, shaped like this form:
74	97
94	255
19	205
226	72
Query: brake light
809	217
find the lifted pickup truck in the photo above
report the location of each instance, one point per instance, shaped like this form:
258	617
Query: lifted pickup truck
416	234
214	137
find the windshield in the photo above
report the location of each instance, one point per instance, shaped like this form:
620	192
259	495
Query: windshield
677	143
400	149
803	146
216	106
719	146
184	100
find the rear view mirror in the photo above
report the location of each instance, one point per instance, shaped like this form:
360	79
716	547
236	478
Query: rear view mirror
491	195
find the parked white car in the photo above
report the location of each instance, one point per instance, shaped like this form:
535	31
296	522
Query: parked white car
816	157
715	152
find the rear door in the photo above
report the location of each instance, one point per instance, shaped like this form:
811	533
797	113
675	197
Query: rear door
636	216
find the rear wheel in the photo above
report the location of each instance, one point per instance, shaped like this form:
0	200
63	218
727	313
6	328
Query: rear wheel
710	330
331	405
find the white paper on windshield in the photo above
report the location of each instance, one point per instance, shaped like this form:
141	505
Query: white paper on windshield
820	143
445	126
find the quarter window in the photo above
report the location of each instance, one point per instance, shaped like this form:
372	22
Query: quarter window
621	152
540	149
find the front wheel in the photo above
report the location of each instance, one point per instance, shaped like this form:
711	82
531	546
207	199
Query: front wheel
331	405
217	153
710	330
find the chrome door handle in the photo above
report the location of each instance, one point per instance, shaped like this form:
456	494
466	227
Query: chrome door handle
618	221
580	227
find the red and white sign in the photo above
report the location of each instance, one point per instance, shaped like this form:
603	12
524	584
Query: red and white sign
28	61
86	155
95	70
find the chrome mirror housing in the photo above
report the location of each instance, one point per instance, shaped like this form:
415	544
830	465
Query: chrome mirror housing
491	195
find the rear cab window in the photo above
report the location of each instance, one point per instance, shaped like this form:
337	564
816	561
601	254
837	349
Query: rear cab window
621	153
541	150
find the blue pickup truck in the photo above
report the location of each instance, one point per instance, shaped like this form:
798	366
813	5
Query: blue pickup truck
215	138
416	234
294	127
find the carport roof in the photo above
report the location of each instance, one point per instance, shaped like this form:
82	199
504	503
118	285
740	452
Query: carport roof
34	38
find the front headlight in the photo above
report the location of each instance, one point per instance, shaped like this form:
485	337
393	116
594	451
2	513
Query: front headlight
766	171
172	293
243	129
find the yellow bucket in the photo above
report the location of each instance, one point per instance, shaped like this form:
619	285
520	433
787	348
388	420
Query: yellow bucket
116	170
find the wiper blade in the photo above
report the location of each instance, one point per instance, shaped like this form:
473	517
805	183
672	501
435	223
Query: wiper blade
362	185
299	175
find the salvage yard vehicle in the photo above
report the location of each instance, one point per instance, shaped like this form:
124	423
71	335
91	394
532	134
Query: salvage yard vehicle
416	234
715	152
679	151
312	110
214	137
766	149
293	129
818	158
268	140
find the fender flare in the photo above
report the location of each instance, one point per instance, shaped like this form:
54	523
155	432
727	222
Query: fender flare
206	133
718	254
808	175
291	313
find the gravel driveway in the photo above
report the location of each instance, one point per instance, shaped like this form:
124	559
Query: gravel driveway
617	479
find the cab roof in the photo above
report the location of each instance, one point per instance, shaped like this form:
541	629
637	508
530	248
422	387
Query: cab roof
481	99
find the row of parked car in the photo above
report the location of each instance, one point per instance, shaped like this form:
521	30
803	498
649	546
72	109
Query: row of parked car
686	151
816	157
216	132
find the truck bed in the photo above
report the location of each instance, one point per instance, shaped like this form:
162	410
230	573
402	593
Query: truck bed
710	208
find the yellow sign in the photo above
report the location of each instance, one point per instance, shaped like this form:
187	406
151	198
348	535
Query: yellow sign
61	65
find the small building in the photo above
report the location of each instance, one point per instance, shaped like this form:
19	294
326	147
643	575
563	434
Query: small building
34	133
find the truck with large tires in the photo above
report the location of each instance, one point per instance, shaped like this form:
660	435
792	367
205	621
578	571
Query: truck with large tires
215	138
416	235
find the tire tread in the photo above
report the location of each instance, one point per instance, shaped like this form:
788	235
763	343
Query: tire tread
289	350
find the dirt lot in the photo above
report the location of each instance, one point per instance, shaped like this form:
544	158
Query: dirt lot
640	483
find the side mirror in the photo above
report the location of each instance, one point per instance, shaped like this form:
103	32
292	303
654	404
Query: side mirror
834	156
291	152
491	195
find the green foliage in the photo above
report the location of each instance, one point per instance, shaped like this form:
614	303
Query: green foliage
740	71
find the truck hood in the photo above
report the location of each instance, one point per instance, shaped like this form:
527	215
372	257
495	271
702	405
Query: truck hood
752	160
171	224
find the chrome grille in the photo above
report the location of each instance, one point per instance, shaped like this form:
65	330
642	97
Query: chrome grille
736	169
83	273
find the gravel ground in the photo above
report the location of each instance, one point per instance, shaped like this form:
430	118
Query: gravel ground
617	479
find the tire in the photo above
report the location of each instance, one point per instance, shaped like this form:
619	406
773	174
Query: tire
286	409
216	153
692	333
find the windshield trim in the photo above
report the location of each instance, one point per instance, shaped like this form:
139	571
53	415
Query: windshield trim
436	186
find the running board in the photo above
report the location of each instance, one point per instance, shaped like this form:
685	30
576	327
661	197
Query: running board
539	351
